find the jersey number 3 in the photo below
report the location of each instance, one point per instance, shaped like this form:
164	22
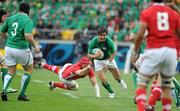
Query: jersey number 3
14	31
162	21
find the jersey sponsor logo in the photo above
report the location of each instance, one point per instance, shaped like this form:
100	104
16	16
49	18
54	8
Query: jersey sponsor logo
104	48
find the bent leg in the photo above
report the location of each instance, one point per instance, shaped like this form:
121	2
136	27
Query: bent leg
73	85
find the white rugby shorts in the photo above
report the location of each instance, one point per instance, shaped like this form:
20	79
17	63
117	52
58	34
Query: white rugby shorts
102	64
158	60
18	56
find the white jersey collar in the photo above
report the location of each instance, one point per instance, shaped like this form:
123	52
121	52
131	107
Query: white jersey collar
160	4
21	13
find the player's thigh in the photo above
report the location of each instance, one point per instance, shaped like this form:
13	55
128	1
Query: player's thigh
168	67
99	65
25	59
18	56
10	59
150	63
111	64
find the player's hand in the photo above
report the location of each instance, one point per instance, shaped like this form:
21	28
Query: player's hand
37	50
111	58
134	57
98	54
89	66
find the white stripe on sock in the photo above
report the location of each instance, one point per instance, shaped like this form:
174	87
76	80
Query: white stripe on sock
6	80
23	79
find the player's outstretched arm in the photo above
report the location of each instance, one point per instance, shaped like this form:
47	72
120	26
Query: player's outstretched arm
95	85
83	72
94	56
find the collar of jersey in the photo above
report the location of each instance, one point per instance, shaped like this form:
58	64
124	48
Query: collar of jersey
161	4
22	13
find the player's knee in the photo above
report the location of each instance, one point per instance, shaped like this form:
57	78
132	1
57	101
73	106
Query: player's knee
102	79
143	80
74	86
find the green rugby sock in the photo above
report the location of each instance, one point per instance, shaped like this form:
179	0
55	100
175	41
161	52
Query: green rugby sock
176	84
24	83
175	95
7	81
4	72
107	87
134	77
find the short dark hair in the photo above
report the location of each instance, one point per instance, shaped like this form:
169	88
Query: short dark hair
24	7
158	1
2	12
102	30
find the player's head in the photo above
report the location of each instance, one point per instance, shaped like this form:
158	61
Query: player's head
3	15
84	61
24	7
158	1
102	32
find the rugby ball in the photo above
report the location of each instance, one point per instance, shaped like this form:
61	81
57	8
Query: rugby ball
95	50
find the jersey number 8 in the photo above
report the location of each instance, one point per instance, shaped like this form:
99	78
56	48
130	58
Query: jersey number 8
162	21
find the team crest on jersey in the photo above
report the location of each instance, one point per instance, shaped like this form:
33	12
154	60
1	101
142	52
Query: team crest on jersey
104	48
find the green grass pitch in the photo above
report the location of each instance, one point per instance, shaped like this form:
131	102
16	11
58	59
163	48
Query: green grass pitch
42	99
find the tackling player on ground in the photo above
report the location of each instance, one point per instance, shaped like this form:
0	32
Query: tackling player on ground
70	72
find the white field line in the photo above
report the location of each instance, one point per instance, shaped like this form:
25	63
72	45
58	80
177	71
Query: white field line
64	93
70	95
38	81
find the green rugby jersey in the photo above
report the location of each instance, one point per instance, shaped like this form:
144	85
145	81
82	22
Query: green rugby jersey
107	47
16	26
143	44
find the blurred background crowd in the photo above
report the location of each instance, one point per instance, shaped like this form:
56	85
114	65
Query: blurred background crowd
79	19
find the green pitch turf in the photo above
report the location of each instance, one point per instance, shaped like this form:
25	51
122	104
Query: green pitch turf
42	99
